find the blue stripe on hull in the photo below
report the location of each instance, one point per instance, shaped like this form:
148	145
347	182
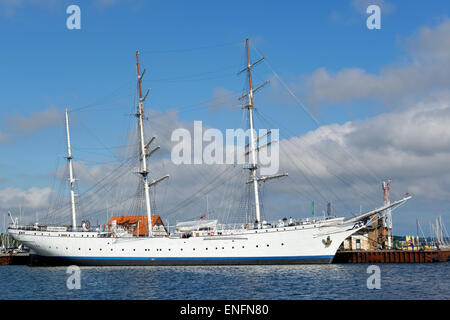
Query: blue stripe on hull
168	261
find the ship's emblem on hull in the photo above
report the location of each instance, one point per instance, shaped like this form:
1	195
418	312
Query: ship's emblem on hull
327	242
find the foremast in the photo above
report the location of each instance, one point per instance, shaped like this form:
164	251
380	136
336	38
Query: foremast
71	178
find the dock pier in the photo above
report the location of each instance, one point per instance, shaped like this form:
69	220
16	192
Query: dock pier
391	256
14	259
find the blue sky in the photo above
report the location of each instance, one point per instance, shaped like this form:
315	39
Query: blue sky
190	49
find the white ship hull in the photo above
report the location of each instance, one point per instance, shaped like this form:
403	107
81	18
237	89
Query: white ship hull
290	245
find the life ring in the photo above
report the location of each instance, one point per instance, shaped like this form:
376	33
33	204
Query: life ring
211	233
87	224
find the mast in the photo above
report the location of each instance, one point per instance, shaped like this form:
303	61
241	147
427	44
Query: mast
253	166
143	156
71	178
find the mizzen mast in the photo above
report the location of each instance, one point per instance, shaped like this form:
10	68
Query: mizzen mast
71	178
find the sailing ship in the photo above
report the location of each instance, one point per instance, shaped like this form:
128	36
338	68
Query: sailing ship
201	242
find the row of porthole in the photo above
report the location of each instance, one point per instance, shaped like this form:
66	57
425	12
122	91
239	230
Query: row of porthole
87	236
257	246
284	229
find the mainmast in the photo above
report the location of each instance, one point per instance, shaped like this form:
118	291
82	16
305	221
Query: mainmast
253	166
143	157
145	147
71	178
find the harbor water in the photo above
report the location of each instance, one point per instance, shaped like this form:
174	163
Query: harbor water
334	281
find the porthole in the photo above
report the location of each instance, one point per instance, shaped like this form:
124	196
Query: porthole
257	246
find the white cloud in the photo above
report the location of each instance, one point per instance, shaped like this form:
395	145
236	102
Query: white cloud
223	98
32	198
17	126
35	121
412	146
428	71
